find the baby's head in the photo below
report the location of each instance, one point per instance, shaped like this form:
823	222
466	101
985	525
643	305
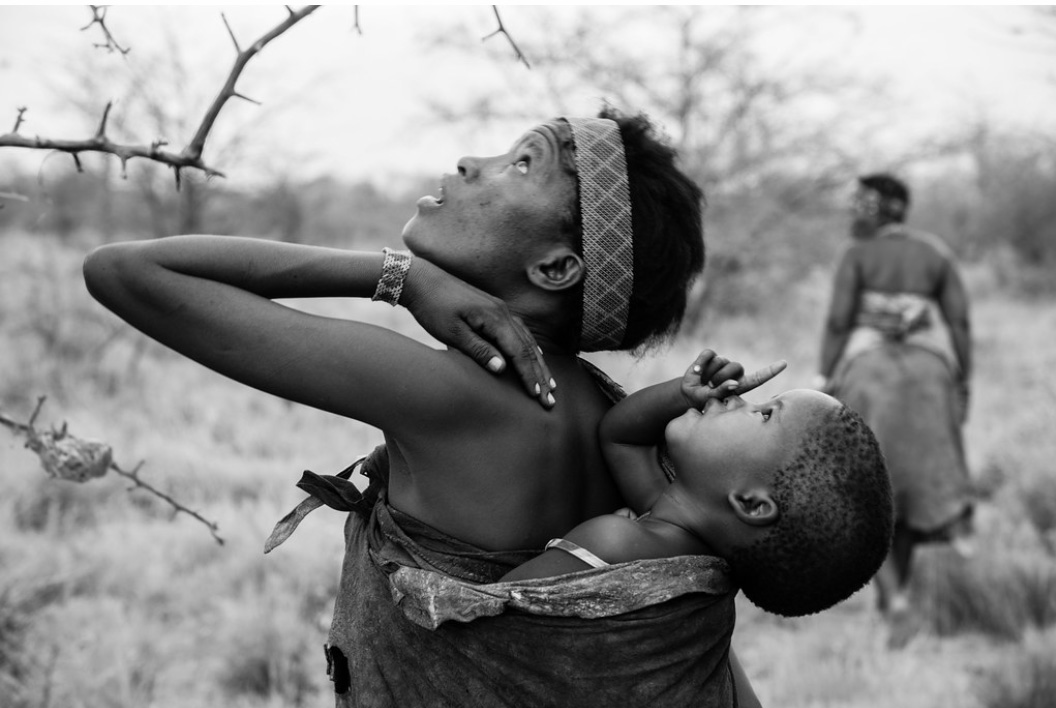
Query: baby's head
797	492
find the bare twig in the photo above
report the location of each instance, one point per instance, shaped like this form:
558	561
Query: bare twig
502	30
99	18
100	143
197	144
133	476
191	155
355	26
74	459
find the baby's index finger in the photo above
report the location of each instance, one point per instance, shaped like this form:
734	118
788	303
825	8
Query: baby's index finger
758	378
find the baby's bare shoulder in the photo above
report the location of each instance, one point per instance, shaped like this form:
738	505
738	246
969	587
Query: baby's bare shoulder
615	538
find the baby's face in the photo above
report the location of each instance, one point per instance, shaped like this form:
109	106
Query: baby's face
732	442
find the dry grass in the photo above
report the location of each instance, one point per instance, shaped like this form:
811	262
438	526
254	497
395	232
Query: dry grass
108	599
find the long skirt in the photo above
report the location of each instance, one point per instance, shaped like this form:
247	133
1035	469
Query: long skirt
908	396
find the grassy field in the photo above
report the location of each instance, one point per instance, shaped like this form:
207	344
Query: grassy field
108	598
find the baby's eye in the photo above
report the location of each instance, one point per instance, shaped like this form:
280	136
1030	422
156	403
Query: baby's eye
766	415
522	166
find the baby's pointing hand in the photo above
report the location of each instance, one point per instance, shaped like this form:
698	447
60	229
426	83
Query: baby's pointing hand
760	377
710	376
713	376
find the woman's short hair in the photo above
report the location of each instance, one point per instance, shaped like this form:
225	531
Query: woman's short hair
887	187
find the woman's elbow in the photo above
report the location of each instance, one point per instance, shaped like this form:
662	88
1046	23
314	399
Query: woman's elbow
106	269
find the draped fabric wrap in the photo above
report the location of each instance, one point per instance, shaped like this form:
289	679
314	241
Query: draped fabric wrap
908	396
651	633
898	318
420	620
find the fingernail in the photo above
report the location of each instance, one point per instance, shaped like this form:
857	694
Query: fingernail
539	349
495	364
550	399
696	369
553	384
537	389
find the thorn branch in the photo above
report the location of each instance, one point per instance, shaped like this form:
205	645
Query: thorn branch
190	157
99	18
65	456
502	30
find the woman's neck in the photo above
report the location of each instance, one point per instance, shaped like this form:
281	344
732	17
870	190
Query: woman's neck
554	330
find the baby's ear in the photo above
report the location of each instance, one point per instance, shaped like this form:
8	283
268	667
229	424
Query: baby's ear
754	506
559	268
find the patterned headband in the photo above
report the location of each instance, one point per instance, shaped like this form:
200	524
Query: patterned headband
608	250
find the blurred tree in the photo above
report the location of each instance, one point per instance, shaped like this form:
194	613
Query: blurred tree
1016	181
739	98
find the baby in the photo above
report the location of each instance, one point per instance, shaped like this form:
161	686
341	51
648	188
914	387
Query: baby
792	492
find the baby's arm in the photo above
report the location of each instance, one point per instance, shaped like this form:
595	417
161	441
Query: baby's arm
632	430
609	537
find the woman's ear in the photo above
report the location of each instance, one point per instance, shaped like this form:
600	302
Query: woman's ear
559	268
754	506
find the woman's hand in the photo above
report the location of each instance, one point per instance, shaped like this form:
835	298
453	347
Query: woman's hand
477	324
713	376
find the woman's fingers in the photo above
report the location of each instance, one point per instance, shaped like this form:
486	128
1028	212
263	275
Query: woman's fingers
502	338
531	366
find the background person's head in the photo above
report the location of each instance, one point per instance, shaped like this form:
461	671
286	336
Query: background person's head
511	224
880	199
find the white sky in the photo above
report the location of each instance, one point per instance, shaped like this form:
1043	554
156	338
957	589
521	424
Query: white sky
352	105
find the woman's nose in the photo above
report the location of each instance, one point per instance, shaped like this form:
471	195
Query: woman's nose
469	167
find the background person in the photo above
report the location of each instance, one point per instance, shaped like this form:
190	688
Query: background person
897	348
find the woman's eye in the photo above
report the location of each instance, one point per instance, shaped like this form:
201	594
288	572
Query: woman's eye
522	166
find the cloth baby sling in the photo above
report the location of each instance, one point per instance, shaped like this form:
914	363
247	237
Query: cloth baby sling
420	621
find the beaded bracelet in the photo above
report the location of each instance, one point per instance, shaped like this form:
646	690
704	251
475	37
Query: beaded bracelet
393	273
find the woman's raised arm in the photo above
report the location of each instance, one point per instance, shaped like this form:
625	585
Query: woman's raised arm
209	298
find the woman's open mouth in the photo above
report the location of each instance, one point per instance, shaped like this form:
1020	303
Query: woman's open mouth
431	202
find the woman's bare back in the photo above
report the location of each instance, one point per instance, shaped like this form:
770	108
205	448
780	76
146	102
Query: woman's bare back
498	470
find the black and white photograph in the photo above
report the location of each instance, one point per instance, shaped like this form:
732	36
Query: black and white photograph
524	356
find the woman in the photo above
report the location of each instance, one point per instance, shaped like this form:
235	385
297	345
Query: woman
897	348
591	236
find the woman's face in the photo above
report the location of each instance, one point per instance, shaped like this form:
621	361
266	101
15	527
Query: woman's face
497	212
